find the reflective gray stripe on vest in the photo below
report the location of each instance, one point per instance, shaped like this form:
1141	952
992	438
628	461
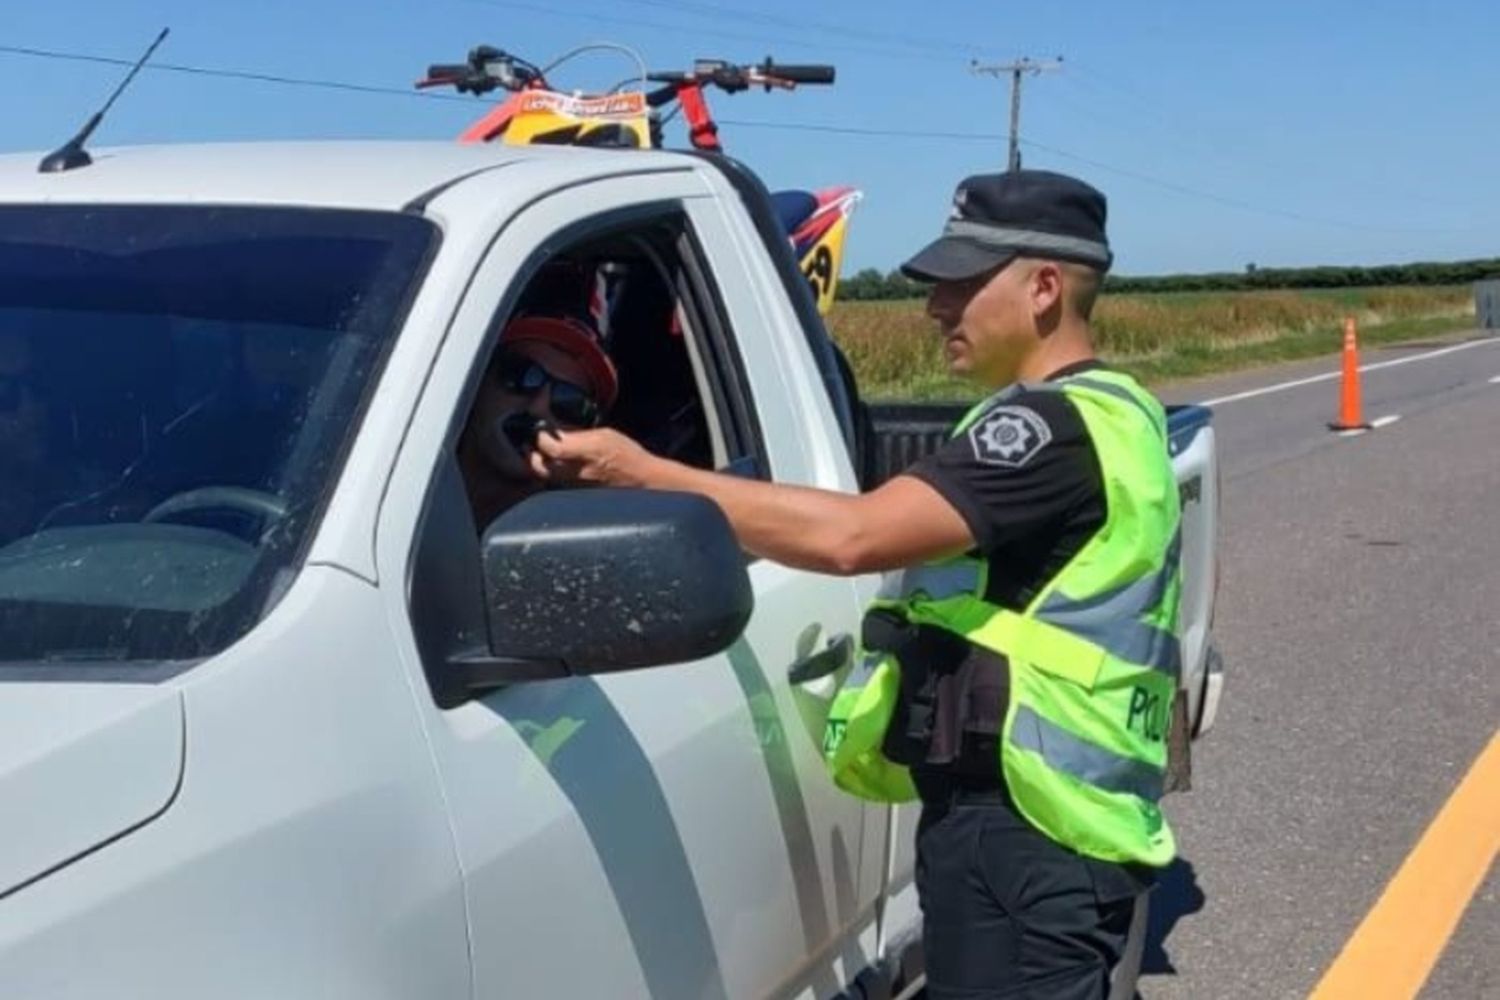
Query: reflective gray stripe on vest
1027	239
1119	393
1109	388
940	582
1113	619
1099	385
1091	764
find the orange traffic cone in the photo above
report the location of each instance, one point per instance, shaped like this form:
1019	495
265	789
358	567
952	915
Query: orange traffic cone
1349	415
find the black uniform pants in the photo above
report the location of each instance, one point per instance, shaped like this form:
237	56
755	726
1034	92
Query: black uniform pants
1007	912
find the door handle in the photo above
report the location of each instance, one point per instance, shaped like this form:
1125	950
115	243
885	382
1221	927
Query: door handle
838	652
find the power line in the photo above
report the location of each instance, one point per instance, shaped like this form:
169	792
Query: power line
358	88
880	133
635	22
740	123
1249	206
1121	171
1164	137
1195	136
1188	132
1082	104
803	24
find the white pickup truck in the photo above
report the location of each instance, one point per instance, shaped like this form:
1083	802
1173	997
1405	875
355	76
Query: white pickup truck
278	719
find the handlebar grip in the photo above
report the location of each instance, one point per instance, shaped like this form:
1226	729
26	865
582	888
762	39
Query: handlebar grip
447	71
800	74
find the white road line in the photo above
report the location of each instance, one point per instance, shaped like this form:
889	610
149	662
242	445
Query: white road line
1495	380
1375	425
1280	386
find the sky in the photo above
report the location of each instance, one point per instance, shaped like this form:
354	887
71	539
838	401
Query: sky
1276	133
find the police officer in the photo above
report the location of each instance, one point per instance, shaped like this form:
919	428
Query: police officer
1018	677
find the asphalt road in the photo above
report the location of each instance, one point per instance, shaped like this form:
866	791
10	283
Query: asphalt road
1359	615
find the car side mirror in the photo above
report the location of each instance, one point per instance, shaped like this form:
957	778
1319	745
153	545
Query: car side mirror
591	581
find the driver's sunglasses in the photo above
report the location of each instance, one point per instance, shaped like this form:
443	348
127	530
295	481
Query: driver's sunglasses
572	404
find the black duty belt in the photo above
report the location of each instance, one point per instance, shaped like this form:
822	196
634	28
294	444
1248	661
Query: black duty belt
943	786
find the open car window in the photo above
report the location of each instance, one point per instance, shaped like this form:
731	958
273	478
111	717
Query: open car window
637	286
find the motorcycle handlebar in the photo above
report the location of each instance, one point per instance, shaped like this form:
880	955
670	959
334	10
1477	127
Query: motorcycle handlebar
799	74
730	77
447	71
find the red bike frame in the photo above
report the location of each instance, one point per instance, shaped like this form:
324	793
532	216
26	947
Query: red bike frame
703	131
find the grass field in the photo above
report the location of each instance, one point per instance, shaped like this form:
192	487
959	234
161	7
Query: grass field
897	354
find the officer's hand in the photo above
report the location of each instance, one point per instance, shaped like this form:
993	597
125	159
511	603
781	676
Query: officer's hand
600	457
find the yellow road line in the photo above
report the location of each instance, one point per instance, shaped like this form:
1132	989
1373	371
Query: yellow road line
1394	949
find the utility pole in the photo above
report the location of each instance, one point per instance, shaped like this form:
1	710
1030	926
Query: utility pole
1016	70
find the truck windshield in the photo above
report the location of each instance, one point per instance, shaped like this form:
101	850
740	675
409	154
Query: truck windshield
178	386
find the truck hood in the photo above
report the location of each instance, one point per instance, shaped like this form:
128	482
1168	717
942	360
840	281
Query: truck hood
81	764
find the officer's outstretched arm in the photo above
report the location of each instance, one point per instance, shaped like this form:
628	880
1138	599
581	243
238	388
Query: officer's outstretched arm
902	523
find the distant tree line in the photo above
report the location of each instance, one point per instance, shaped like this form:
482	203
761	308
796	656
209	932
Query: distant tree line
870	285
1253	278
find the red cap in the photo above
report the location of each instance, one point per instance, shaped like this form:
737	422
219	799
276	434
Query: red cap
578	341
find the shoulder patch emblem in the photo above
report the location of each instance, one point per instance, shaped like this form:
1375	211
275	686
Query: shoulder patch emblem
1009	436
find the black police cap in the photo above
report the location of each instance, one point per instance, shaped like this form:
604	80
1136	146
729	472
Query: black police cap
999	217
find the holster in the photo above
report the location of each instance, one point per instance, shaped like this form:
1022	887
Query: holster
952	704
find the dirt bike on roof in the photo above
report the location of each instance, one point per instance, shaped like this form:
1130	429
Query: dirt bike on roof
815	221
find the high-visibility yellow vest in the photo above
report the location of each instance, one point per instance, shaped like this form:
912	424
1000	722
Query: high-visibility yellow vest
1094	658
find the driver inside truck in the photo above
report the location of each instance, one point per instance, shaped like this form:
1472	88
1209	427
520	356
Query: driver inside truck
548	370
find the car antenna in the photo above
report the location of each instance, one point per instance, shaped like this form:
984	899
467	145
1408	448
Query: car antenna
71	154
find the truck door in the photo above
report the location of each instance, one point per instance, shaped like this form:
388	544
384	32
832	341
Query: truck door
663	832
